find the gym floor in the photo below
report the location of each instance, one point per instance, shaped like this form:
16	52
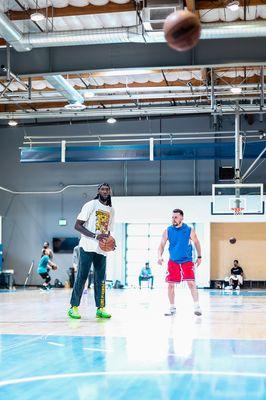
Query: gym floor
138	351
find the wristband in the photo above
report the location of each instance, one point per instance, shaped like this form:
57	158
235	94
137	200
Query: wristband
199	257
94	235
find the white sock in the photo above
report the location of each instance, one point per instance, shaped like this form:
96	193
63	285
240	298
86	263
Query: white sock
172	306
196	304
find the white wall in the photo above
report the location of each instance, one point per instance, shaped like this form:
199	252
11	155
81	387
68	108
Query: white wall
159	209
1	252
116	260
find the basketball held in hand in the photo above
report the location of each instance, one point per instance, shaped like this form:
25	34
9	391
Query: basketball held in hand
107	244
182	30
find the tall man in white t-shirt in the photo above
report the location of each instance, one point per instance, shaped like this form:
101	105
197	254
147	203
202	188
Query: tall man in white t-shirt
94	222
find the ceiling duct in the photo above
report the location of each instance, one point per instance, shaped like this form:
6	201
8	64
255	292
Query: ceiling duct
66	90
133	34
155	12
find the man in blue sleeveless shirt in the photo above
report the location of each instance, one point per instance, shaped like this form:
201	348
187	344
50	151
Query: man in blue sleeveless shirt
180	264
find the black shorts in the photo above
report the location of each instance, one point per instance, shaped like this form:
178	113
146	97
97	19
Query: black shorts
45	276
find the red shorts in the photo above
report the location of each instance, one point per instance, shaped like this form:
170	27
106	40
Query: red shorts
180	272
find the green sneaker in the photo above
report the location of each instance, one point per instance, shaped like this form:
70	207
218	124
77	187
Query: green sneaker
101	313
73	312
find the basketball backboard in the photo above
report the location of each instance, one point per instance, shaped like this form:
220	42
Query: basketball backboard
235	199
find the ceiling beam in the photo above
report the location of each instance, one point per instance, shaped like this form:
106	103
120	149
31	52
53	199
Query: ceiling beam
135	55
212	4
74	11
100	103
137	85
191	6
110	7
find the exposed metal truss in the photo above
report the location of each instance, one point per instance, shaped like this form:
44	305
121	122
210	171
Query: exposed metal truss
210	94
161	93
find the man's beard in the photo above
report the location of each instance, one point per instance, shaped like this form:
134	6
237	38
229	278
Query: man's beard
103	199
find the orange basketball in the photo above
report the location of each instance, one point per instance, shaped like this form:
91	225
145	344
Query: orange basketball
182	30
107	244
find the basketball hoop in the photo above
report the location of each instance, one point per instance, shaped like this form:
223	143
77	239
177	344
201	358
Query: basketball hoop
237	199
238	210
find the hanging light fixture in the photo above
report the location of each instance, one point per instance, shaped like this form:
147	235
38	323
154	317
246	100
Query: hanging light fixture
12	122
236	89
37	15
77	106
89	94
232	5
111	120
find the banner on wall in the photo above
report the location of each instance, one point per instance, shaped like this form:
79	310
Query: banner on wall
183	151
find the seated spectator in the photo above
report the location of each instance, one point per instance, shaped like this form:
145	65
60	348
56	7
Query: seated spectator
146	275
238	272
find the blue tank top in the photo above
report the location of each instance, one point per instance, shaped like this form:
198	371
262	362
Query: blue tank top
180	248
43	265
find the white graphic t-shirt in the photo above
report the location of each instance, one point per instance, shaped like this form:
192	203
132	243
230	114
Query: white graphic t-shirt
98	219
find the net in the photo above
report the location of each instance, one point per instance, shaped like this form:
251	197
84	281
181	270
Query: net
238	210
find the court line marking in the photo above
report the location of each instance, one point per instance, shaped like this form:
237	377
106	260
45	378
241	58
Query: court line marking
130	373
95	349
56	344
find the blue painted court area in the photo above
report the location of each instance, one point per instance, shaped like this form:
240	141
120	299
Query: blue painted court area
65	367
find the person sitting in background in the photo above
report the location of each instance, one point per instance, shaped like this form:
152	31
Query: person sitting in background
237	272
146	275
44	267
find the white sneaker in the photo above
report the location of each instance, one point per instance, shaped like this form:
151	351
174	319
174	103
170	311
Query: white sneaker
238	288
197	311
171	312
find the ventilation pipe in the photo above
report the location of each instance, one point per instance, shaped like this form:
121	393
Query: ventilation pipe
65	89
27	41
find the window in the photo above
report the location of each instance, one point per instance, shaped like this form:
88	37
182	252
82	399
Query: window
142	242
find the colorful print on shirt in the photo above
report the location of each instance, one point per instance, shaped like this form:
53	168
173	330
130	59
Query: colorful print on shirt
102	221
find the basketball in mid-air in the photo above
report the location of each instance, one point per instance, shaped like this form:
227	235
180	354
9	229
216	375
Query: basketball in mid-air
232	240
182	30
107	244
